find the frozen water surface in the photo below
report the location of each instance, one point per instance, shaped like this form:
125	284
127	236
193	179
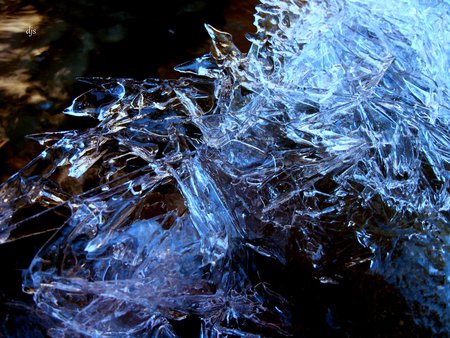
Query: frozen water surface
329	140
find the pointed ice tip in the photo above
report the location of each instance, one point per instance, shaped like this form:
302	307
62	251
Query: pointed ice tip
72	112
210	29
203	66
216	34
222	43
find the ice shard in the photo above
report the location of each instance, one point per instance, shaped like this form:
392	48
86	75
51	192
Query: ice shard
329	140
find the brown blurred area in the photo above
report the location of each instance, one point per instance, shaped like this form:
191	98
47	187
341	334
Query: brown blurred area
87	38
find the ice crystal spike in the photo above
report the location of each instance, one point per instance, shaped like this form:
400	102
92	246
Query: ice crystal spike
222	44
326	146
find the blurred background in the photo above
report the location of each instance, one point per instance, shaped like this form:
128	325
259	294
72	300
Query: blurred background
46	44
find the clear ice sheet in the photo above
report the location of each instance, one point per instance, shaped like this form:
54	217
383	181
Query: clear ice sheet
331	133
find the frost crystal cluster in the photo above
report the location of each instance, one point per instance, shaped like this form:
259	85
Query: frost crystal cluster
327	143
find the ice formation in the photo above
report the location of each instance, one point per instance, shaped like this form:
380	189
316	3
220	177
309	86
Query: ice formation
328	140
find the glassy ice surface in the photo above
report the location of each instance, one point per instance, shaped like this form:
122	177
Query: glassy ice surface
328	140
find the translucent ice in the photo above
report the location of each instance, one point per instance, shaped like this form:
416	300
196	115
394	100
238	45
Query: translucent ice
328	140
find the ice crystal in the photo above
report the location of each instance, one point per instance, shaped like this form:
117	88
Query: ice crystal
328	140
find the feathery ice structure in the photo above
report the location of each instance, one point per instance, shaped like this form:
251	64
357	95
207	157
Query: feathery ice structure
328	141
